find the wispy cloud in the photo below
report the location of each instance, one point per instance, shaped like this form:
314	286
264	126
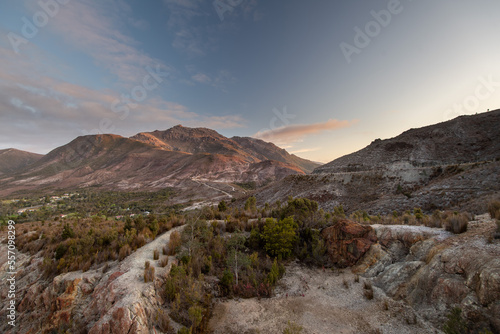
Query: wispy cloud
221	80
305	150
93	28
49	112
289	134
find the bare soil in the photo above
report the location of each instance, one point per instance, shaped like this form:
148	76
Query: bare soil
321	301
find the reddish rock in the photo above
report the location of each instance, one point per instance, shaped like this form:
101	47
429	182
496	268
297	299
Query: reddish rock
347	242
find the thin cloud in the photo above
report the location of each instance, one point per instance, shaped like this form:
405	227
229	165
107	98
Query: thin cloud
201	78
92	27
51	112
305	150
286	135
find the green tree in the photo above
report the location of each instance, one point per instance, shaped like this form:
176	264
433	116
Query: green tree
237	259
222	206
279	236
67	232
195	315
251	204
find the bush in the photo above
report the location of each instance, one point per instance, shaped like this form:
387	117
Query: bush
183	330
457	223
455	324
149	274
292	328
368	290
156	254
494	209
124	252
162	321
279	237
174	243
163	262
67	232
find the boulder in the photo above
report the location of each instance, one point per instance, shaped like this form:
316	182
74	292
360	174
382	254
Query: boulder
347	242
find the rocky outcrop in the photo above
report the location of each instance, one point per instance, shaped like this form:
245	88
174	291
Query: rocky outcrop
347	242
434	271
115	300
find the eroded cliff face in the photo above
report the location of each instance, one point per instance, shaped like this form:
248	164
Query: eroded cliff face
111	299
434	271
347	242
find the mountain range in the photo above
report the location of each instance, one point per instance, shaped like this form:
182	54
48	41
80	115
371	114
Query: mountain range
450	164
150	160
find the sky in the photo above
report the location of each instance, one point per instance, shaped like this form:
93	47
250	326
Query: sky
320	78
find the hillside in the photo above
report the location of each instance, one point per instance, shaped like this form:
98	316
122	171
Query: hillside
200	162
461	140
454	164
12	160
268	151
202	140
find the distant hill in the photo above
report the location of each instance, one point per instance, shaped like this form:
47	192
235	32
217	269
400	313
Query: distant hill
463	139
202	140
189	158
268	151
453	164
12	160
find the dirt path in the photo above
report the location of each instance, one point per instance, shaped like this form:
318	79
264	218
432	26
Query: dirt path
219	190
135	294
320	302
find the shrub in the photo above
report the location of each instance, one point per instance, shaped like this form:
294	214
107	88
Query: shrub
279	237
195	315
156	254
292	328
368	290
124	252
67	232
457	223
149	274
163	262
162	321
222	206
147	264
368	294
174	243
455	324
250	204
183	330
494	209
226	281
418	213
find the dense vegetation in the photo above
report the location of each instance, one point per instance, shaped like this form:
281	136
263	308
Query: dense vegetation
223	251
86	203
